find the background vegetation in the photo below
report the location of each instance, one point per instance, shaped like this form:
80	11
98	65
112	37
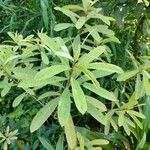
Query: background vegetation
121	49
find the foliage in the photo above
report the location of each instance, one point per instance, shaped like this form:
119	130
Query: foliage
67	87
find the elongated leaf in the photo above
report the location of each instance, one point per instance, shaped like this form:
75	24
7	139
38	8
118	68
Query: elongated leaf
127	75
97	114
137	121
62	26
76	47
137	114
92	55
142	142
50	72
78	96
146	84
70	133
139	88
81	21
45	15
40	83
64	107
44	58
109	115
43	114
47	94
68	13
89	74
64	54
99	142
60	143
100	91
96	103
45	143
121	118
105	67
97	74
48	42
94	33
18	100
81	141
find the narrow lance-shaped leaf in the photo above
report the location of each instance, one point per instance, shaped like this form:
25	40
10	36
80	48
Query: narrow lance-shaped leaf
47	145
48	42
92	55
146	84
100	91
78	96
43	114
60	143
64	107
127	75
76	47
81	21
50	72
121	118
96	103
97	114
89	74
44	58
105	67
18	99
70	133
62	26
99	142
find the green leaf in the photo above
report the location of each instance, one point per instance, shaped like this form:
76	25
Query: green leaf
40	83
78	96
43	114
18	100
109	115
94	33
47	94
68	13
64	107
62	26
126	128
64	54
100	91
137	121
50	72
121	118
44	58
76	47
70	133
92	55
146	84
97	114
105	67
45	143
48	42
89	74
137	114
86	4
81	141
97	74
96	103
127	75
81	21
142	142
139	88
45	14
60	143
99	142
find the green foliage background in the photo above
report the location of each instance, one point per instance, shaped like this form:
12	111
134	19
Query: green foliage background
131	27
